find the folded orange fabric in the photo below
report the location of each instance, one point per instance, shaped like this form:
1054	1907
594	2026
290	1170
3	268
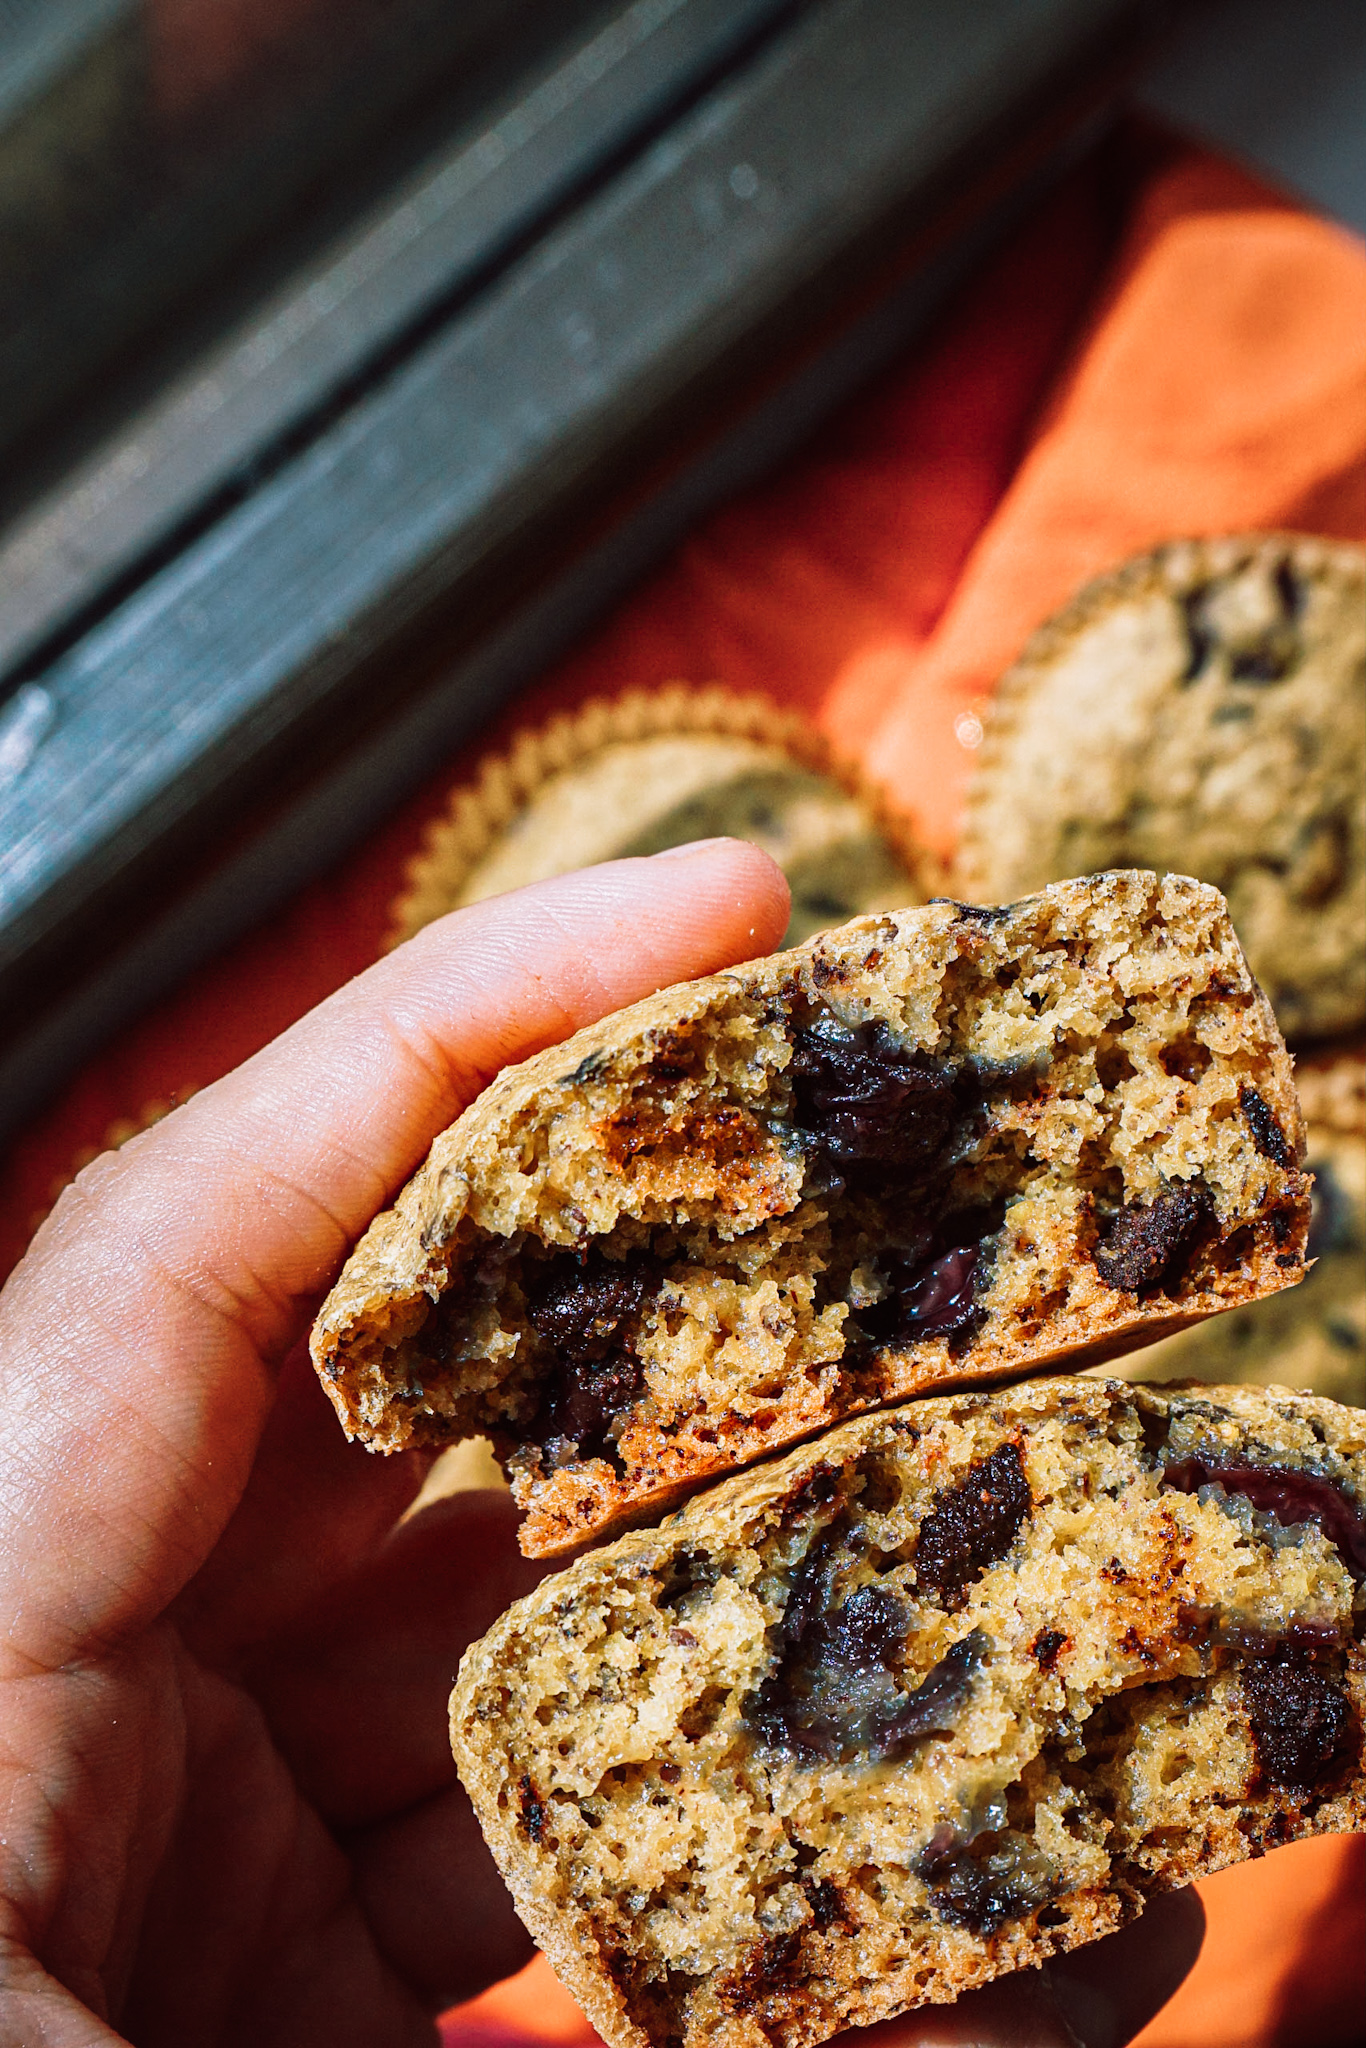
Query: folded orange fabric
1223	387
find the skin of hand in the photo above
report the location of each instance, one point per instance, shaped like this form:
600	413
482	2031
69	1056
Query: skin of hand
228	1813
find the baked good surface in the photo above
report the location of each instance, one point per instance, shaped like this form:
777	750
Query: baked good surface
953	1688
631	775
1202	708
925	1149
1312	1337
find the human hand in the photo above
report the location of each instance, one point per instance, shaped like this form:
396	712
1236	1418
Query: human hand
228	1812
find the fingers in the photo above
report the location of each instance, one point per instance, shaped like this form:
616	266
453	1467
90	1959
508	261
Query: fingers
1110	1990
136	1340
437	1910
315	1509
1099	1996
357	1699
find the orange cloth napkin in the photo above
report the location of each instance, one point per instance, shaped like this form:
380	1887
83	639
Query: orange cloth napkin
1223	386
1160	350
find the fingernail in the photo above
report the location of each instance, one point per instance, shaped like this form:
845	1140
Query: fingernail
691	846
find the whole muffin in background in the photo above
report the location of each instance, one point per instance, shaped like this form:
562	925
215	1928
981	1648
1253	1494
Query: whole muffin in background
1200	709
622	777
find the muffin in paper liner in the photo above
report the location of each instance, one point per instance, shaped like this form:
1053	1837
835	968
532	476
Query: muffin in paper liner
1200	708
634	774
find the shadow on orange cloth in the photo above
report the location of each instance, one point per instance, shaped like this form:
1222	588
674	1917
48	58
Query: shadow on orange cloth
1154	353
1224	386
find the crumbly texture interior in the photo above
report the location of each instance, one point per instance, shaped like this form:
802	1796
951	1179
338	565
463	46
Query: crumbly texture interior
1203	708
956	1687
1312	1337
930	1148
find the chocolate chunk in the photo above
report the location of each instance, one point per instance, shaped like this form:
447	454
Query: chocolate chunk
867	1103
932	1295
533	1810
580	1309
1270	661
972	1525
981	1884
585	1312
1303	1727
1290	1495
833	1695
932	1709
1046	1646
942	1298
824	1899
1267	1134
978	913
1146	1246
1289	589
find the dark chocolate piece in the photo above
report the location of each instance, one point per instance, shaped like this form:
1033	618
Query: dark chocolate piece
1289	589
1146	1246
1046	1647
942	1299
1286	1492
584	1312
972	1525
824	1899
981	1884
533	1811
1267	1134
928	1297
867	1103
1301	1719
834	1694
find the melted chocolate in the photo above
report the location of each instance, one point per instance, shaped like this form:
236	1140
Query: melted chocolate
972	1525
929	1297
980	1885
1145	1247
1302	1723
868	1104
1267	1134
1290	1495
834	1696
585	1313
942	1299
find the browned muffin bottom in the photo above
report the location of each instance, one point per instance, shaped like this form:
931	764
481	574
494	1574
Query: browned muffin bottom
953	1688
945	1145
